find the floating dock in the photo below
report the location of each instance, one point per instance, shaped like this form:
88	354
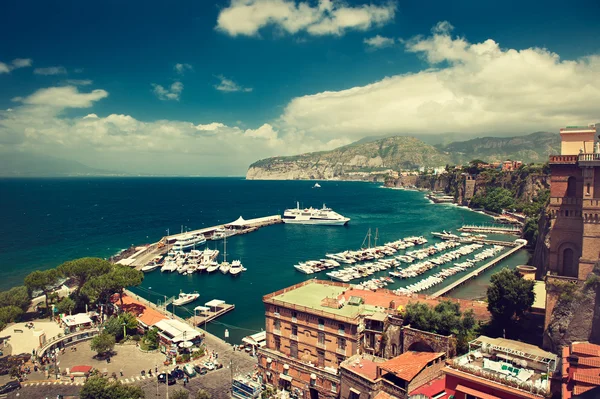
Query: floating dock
210	311
490	229
475	273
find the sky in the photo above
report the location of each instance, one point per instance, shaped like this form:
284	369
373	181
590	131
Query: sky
206	88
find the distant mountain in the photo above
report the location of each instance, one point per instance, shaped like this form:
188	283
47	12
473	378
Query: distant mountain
22	164
401	152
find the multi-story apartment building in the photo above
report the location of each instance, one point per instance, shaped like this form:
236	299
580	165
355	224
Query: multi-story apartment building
574	210
312	327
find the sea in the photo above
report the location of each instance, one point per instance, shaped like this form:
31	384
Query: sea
48	221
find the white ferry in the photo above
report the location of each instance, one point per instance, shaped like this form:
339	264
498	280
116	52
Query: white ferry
189	241
324	216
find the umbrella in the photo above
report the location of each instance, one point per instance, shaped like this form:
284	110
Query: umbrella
186	344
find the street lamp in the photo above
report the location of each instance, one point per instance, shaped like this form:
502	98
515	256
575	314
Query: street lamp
124	329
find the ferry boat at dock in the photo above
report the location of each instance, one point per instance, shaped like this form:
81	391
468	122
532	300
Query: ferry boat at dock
324	216
188	241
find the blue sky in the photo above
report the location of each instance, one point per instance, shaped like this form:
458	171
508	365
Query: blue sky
272	77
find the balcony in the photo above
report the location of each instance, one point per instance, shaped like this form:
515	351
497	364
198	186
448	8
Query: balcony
591	204
294	319
560	201
589	159
341	351
563	159
321	345
277	331
294	337
321	327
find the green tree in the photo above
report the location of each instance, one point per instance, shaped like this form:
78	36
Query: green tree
202	394
181	394
130	321
103	343
16	296
9	314
42	280
101	388
81	270
66	305
99	289
509	295
151	338
124	277
114	327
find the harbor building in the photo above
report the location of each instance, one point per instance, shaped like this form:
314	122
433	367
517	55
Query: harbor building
574	210
314	326
498	368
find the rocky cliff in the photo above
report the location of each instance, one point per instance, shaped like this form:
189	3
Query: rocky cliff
400	152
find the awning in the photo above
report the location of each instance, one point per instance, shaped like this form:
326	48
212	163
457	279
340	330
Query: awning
214	303
269	360
285	377
313	376
201	308
186	344
286	366
475	392
355	391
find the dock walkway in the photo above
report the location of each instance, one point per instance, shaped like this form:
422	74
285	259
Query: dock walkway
490	229
475	273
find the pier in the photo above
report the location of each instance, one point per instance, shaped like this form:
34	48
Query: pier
476	272
210	311
144	254
490	229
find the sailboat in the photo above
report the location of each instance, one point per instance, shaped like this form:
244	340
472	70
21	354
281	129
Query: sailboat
317	185
224	266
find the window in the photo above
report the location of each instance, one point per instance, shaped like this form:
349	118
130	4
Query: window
321	338
295	330
394	349
341	343
569	265
321	324
294	316
277	324
340	359
341	329
587	189
333	387
277	343
320	358
294	349
571	187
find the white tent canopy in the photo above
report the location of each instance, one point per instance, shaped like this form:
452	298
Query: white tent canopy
240	222
214	303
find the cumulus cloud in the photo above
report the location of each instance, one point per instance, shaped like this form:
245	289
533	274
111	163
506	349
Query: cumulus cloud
54	70
182	68
171	93
378	42
471	88
79	82
228	85
15	64
327	17
63	97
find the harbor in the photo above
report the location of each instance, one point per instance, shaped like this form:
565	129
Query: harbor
514	230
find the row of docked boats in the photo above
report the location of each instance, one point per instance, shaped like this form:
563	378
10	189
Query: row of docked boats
376	254
439	277
364	270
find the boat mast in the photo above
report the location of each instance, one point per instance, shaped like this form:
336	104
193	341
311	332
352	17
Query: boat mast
376	236
225	249
367	237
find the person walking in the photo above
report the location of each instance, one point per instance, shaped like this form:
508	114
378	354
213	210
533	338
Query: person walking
121	371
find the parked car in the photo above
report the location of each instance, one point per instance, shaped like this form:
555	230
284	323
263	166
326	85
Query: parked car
201	370
189	370
10	386
209	365
178	373
218	366
163	377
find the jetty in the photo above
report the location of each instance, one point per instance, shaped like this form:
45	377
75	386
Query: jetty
210	311
144	254
469	228
476	272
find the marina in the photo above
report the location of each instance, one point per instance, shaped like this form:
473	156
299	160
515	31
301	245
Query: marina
209	312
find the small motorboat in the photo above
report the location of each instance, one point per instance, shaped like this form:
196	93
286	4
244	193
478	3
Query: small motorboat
184	299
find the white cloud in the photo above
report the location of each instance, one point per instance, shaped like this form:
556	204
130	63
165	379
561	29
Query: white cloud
248	17
228	85
15	64
54	70
379	41
63	97
471	88
210	126
79	82
182	68
171	93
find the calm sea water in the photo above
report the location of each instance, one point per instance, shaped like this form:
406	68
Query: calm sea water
48	221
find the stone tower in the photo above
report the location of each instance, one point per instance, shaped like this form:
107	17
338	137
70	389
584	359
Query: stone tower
574	210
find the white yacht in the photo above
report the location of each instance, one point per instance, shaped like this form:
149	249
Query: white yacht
324	216
188	241
236	268
152	265
212	266
184	299
224	266
317	185
220	234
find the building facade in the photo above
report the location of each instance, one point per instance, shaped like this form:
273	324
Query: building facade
574	209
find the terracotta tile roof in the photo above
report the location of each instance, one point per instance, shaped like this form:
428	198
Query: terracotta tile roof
588	379
588	371
384	395
590	361
144	314
585	348
579	389
475	392
383	298
364	367
409	364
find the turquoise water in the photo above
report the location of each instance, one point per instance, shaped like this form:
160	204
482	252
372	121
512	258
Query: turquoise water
48	221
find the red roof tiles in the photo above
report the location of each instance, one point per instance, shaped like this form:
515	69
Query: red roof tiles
585	348
144	314
409	364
